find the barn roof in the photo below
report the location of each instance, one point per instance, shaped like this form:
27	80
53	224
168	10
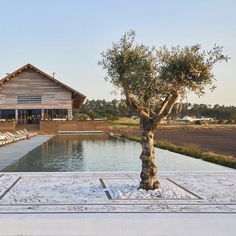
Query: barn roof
29	66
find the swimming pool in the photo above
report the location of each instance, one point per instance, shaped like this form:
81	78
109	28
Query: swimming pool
78	153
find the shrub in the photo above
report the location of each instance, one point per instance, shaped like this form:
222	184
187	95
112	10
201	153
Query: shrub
198	122
83	117
112	118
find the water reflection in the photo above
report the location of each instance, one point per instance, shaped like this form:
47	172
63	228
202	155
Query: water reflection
79	153
101	153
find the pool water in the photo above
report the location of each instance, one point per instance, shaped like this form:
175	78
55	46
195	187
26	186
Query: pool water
101	153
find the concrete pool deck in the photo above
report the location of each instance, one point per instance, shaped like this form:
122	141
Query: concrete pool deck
86	203
14	151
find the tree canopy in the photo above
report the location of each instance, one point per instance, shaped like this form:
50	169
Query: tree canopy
152	80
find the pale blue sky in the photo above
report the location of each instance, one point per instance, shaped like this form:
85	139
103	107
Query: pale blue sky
67	37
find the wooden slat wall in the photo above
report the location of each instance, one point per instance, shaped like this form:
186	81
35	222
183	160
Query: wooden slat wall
7	126
31	83
50	127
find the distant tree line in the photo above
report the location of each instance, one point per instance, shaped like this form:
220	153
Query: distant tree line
94	109
217	112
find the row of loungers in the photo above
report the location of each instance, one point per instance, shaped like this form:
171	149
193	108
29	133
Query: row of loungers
11	137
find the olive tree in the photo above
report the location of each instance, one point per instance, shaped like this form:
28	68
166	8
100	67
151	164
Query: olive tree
152	81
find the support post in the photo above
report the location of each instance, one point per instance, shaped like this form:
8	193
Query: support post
42	114
69	114
16	116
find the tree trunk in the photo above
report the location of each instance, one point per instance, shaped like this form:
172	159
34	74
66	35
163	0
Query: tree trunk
149	169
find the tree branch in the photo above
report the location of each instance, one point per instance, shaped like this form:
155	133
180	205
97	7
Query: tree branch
167	109
164	104
131	102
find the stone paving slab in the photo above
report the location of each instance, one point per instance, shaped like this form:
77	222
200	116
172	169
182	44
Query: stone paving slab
75	193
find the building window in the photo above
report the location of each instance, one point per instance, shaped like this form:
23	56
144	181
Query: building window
50	114
29	116
7	114
29	99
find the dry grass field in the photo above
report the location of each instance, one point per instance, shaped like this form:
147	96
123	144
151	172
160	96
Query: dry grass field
220	139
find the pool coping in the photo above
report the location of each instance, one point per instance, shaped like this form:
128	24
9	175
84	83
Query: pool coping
11	153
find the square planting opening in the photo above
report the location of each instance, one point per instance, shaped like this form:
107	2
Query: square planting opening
127	189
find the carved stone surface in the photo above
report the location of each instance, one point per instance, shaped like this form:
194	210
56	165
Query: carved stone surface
182	192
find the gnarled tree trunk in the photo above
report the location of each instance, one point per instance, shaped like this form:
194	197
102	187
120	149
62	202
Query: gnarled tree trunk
149	169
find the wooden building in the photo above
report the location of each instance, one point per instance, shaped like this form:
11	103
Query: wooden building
29	95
